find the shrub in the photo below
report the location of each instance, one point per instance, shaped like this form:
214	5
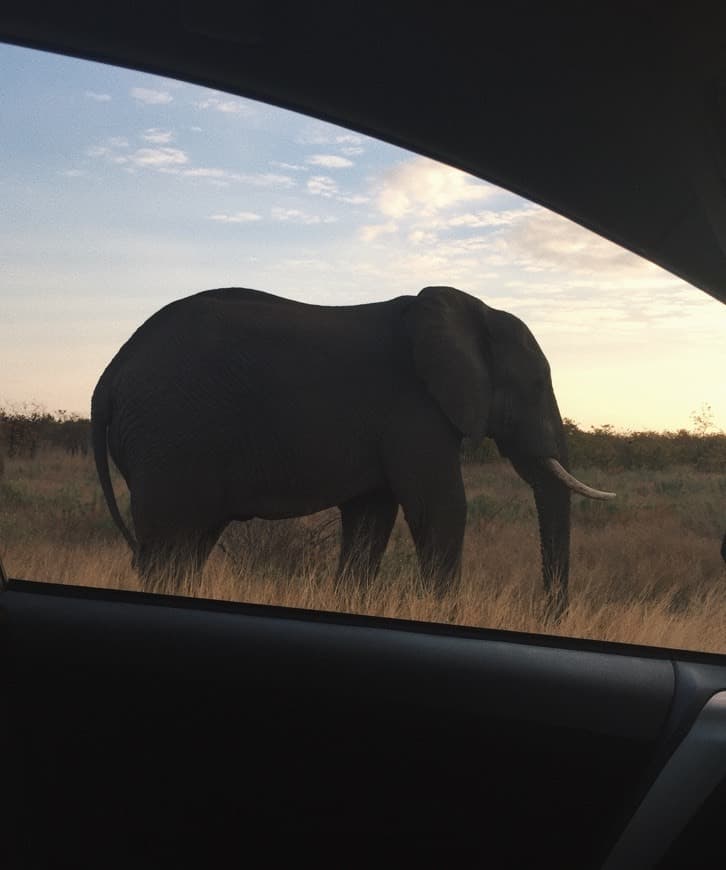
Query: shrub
25	430
605	447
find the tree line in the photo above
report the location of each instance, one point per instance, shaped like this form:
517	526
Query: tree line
606	447
24	432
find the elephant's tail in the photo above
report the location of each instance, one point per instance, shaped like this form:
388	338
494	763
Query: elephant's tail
100	419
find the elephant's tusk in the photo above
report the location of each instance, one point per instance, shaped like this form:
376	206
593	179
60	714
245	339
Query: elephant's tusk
573	483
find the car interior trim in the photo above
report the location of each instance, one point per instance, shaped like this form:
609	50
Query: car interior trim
686	780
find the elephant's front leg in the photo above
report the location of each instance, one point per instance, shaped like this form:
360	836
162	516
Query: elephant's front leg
435	510
423	466
438	535
367	521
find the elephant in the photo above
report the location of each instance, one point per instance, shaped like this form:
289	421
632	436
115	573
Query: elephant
723	547
234	403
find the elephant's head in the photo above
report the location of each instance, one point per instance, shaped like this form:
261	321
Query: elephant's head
489	376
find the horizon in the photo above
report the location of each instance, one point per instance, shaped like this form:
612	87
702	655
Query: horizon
124	191
701	421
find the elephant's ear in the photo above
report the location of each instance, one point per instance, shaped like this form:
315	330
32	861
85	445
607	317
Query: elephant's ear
447	329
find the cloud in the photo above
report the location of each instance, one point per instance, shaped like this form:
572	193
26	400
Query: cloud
229	106
113	150
256	179
290	167
349	144
239	217
99	98
348	138
327	187
327	134
428	200
330	161
417	237
110	149
158	157
491	218
426	226
353	198
296	216
263	179
157	136
371	232
151	97
206	172
546	241
73	173
322	185
224	176
424	187
174	161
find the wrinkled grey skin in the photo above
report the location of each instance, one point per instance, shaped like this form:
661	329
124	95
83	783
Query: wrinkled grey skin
232	404
723	547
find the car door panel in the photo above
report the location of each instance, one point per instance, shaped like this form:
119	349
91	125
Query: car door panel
166	726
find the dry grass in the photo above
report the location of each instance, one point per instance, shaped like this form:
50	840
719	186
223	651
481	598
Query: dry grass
645	568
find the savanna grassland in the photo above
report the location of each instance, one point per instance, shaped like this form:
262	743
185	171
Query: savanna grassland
646	567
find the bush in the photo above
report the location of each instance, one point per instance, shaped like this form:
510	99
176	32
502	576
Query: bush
24	431
285	546
605	447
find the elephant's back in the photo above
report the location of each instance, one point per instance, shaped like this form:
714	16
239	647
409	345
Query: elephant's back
280	362
163	342
256	334
173	317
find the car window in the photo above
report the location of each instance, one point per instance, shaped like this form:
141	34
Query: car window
325	372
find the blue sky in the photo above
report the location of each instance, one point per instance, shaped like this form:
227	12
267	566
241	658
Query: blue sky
122	191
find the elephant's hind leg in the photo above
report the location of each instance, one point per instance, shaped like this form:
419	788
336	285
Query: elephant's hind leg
175	564
367	521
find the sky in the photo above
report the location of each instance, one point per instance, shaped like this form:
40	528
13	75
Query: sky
121	191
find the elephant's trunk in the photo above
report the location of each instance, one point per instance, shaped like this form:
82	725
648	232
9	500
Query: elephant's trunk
552	500
573	483
553	513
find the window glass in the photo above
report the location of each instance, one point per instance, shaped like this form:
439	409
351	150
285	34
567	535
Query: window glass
246	427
